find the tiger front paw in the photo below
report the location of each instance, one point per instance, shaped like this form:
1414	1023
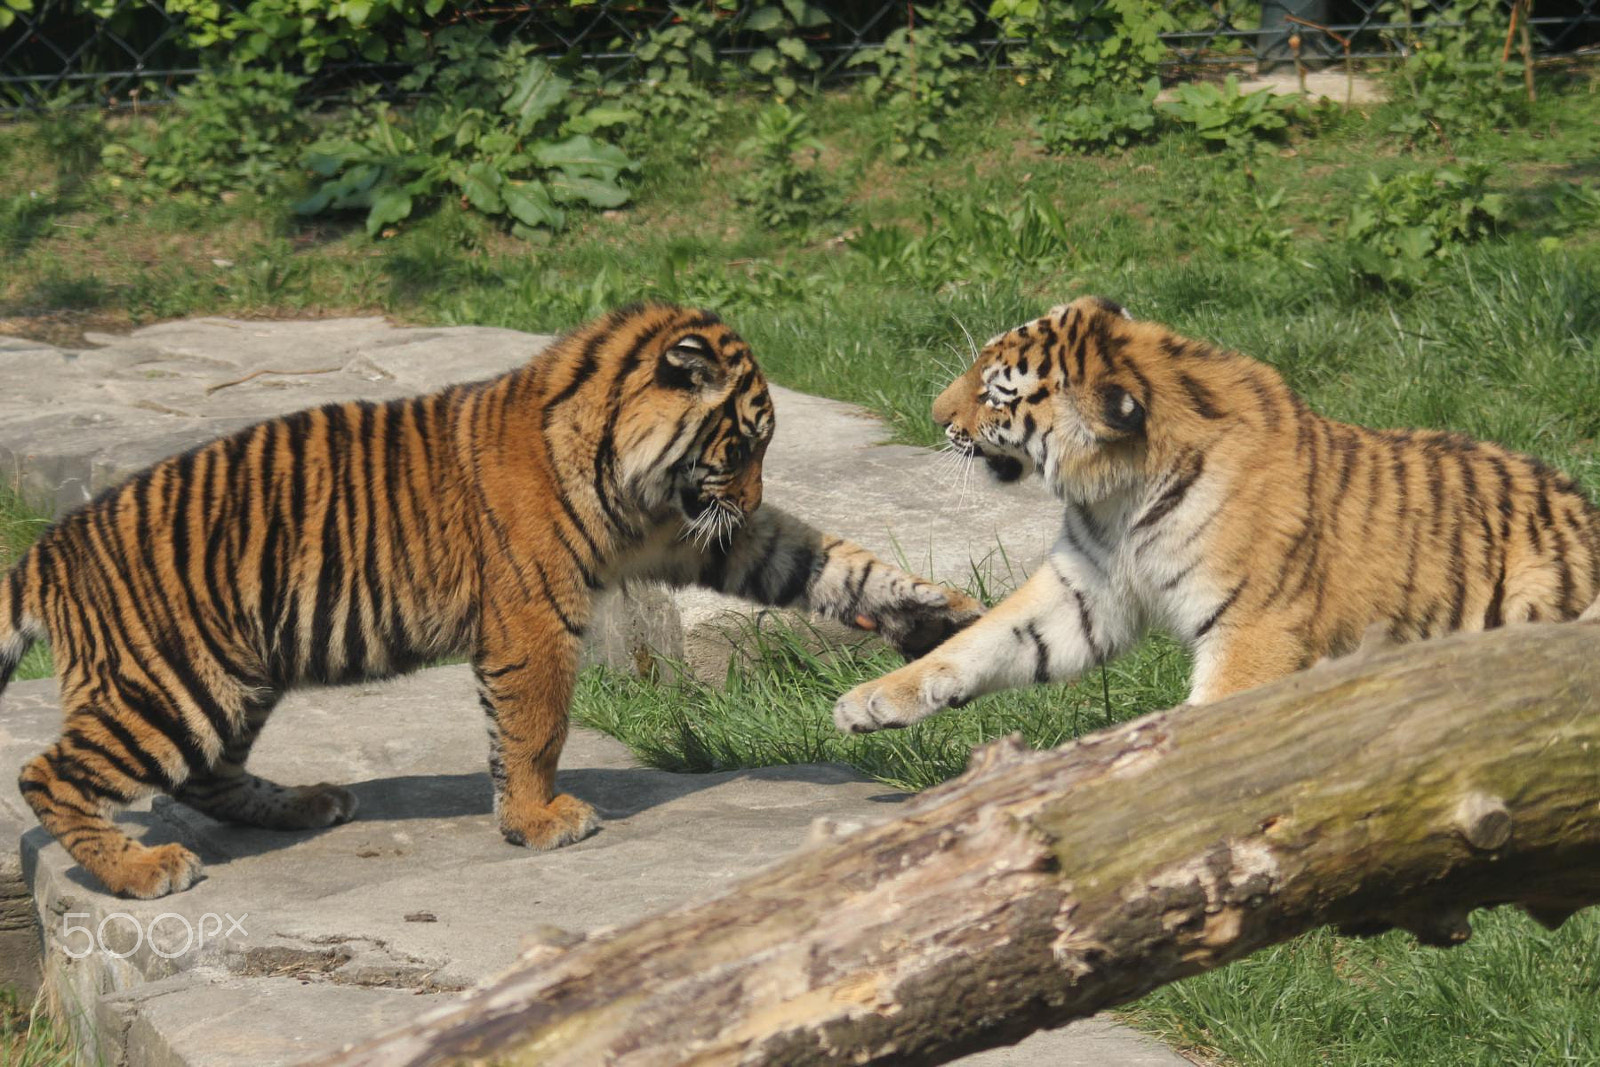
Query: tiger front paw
918	617
897	700
543	827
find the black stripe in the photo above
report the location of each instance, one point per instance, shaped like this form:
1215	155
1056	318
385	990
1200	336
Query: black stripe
1182	480
1227	603
330	577
1494	614
1041	654
1201	398
567	624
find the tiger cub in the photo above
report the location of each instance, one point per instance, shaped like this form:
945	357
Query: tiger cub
361	540
1201	496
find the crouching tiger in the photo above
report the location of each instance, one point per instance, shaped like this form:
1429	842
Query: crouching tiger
361	540
1201	496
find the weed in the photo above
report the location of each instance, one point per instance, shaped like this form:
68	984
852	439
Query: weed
1401	224
1453	80
1224	117
921	73
1085	45
786	188
489	129
672	97
1115	121
233	129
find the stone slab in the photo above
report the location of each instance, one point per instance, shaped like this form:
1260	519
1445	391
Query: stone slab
75	421
348	930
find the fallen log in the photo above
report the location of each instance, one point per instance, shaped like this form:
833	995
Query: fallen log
1399	787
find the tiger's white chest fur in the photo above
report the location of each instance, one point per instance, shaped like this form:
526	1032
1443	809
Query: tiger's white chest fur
1144	563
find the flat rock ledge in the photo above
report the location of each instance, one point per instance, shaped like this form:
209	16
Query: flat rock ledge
297	943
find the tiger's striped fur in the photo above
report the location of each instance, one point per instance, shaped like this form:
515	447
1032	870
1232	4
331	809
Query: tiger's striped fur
361	540
1201	496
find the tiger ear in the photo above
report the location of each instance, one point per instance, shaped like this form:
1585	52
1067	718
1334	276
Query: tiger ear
688	364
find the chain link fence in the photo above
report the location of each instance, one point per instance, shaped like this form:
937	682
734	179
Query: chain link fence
116	53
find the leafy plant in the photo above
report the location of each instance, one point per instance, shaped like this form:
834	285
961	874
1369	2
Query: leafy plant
10	8
785	62
1116	121
233	129
678	62
1227	118
309	32
1453	79
1401	224
1243	230
920	76
786	189
494	125
1099	45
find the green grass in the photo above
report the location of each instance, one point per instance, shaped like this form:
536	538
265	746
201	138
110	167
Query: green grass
19	525
777	709
28	1037
875	306
1515	994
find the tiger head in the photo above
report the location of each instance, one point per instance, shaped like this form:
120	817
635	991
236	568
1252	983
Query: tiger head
1066	396
678	414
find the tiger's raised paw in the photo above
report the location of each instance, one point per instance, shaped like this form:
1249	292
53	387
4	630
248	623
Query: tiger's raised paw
897	700
564	820
919	617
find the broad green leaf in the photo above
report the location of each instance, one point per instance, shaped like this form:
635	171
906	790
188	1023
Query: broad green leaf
389	204
537	92
598	118
794	48
807	16
582	153
763	60
597	192
317	202
480	184
357	11
1415	242
530	204
765	19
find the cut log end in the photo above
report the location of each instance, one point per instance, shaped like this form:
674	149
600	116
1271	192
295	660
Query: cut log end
1484	821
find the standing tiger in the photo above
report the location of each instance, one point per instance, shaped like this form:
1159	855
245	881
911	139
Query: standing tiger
1201	496
361	540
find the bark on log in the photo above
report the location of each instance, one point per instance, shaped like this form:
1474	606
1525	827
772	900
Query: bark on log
1399	787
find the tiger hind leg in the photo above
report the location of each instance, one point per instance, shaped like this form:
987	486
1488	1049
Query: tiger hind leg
231	793
73	792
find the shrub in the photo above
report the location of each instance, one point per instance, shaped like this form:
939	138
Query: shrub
1118	121
1453	79
233	129
1096	45
920	75
671	96
1227	118
1401	224
495	126
786	189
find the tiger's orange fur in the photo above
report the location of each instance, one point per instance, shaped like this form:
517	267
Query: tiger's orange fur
361	540
1202	497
